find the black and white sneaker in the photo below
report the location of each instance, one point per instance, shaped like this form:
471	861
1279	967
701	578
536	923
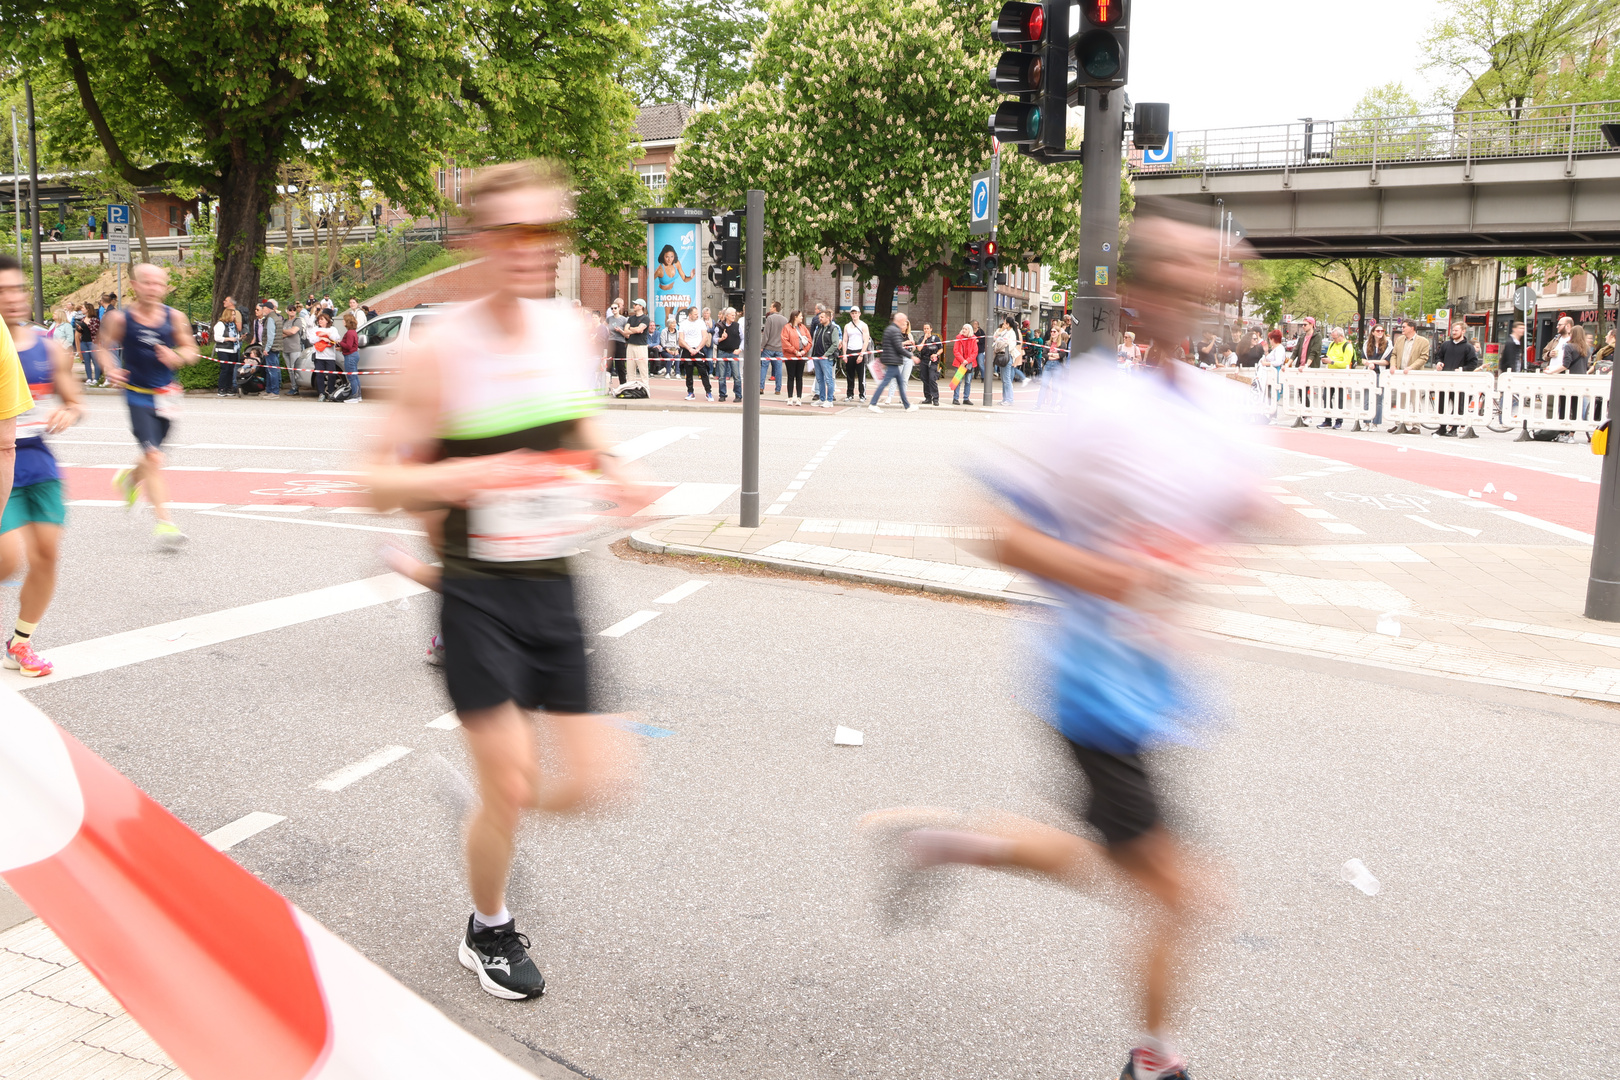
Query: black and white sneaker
499	956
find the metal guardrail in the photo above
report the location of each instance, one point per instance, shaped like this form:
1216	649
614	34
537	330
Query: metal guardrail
1544	131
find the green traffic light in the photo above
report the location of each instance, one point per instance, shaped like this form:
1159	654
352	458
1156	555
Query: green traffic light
1098	54
1032	123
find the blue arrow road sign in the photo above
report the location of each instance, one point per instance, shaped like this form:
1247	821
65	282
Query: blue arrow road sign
982	203
1166	155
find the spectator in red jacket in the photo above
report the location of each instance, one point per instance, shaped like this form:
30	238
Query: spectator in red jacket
966	353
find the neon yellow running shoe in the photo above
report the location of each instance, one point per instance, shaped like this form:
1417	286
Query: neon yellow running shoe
124	481
168	534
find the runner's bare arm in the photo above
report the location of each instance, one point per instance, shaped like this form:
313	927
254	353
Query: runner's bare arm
67	386
108	338
1024	548
187	352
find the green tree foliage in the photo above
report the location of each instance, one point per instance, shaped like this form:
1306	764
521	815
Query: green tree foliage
1604	269
697	51
217	99
1500	54
862	122
1274	284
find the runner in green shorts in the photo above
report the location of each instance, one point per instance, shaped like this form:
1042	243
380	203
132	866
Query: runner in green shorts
31	526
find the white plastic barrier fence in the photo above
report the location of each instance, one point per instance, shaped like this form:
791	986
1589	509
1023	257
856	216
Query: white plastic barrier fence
224	974
1554	402
1330	394
1268	388
1451	398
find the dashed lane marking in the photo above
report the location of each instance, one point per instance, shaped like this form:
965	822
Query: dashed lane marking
363	768
228	836
624	626
680	592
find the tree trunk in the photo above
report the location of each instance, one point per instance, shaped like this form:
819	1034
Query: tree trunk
883	303
246	191
1361	315
140	225
288	207
1378	299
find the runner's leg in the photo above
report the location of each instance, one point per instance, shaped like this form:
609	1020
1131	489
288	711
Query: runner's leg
42	541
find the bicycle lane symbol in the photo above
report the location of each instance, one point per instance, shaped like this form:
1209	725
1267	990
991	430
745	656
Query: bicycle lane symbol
314	487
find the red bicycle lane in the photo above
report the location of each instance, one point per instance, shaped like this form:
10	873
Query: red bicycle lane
316	489
1558	499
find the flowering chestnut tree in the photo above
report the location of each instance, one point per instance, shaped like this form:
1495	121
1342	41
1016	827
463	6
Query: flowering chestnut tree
863	121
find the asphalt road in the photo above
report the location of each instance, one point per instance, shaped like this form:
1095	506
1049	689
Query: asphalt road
724	925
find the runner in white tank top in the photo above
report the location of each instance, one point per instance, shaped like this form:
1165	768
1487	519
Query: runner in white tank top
494	414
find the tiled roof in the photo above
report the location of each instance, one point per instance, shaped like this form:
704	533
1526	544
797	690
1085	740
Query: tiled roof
656	122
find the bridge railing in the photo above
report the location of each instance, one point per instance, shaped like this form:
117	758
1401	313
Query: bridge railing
1463	135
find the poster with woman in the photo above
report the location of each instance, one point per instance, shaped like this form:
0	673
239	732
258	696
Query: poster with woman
672	264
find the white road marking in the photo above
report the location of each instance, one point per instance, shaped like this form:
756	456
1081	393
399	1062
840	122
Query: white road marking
624	626
96	502
680	592
786	497
192	468
684	499
277	508
447	722
1291	500
1546	526
200	631
228	836
1314	513
1424	519
277	472
650	441
307	521
1342	527
363	768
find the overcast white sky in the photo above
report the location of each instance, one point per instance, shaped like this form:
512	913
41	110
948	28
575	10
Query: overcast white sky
1276	61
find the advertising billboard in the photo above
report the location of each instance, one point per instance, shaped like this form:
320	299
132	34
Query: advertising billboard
672	268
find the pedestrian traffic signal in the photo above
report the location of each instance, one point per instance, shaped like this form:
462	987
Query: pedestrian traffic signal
725	251
974	260
1102	53
989	261
1036	71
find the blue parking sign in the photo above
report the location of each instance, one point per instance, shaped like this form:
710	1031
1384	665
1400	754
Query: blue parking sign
117	214
1165	155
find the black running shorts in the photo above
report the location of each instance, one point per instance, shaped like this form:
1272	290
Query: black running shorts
513	640
1122	804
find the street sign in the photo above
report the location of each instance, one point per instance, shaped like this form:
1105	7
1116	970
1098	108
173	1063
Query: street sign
1164	155
1442	319
118	214
118	230
118	252
1525	298
982	204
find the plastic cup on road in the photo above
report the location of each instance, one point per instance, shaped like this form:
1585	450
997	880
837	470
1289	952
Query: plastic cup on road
1356	873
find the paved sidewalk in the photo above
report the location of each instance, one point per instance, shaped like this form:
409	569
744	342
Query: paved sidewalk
1502	614
56	1021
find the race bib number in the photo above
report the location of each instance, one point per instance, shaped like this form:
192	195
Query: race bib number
167	401
526	524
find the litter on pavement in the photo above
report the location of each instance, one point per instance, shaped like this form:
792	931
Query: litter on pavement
848	737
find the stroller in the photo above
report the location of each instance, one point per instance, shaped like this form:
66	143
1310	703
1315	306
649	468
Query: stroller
250	372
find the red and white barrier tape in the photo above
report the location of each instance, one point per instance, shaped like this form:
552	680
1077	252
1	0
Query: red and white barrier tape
230	979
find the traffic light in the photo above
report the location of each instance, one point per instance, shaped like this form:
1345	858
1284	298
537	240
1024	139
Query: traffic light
974	259
989	261
1102	53
1035	70
725	251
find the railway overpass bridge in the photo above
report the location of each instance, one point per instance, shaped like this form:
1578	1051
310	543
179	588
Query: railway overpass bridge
1466	183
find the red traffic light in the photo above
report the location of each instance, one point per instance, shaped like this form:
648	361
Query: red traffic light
1104	12
991	247
1019	23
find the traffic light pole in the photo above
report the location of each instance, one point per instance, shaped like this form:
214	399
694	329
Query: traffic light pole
753	338
990	324
1096	299
1603	581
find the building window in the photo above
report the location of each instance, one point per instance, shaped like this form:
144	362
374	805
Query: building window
174	215
652	175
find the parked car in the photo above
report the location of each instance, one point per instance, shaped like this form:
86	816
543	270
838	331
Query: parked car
381	343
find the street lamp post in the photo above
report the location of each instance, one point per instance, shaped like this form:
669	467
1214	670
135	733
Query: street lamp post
33	203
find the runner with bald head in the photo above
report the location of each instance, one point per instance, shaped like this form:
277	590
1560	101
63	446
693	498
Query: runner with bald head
156	341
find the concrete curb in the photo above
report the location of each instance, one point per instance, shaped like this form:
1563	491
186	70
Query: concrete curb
642	542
